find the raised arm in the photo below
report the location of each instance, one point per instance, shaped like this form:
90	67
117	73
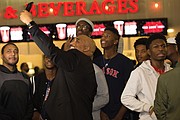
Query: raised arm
67	60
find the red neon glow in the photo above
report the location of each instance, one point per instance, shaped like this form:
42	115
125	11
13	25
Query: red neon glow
98	29
10	13
78	8
153	27
55	7
43	10
45	30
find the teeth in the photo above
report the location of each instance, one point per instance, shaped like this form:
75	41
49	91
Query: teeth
103	41
161	55
72	47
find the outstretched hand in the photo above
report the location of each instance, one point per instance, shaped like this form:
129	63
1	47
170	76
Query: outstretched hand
26	17
67	43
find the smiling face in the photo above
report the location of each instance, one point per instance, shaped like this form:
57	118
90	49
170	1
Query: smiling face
83	28
10	55
157	50
108	40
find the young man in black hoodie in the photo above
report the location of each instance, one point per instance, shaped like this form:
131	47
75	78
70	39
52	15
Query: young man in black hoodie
15	94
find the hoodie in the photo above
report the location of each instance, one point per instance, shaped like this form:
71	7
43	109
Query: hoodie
15	98
142	83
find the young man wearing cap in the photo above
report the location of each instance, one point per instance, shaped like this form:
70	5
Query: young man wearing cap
83	27
139	93
117	69
172	53
166	104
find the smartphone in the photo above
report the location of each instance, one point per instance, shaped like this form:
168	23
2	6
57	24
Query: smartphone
29	5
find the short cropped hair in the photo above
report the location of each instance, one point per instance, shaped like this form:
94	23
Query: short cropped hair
22	65
154	37
114	30
2	50
140	41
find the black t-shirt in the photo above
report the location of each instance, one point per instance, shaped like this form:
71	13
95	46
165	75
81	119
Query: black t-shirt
117	71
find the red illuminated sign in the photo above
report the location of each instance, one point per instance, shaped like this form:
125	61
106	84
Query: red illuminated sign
78	8
98	29
61	31
45	30
153	27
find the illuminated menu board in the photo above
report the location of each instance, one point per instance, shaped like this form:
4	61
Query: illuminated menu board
127	28
150	26
98	29
130	28
71	30
61	31
16	33
5	33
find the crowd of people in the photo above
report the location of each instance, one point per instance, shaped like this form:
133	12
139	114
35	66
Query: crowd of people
79	82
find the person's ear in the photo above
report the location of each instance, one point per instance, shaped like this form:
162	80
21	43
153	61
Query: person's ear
116	42
86	48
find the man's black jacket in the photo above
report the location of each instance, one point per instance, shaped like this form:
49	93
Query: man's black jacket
74	87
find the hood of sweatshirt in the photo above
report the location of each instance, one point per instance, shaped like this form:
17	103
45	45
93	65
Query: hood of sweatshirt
147	65
6	70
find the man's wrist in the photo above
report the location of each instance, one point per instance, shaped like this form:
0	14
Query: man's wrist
31	24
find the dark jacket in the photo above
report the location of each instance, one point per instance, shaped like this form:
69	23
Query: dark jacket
74	87
15	95
41	84
166	103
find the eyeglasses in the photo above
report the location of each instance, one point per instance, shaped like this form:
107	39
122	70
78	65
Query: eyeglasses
83	27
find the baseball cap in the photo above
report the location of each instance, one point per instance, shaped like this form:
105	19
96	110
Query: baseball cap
86	20
171	40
